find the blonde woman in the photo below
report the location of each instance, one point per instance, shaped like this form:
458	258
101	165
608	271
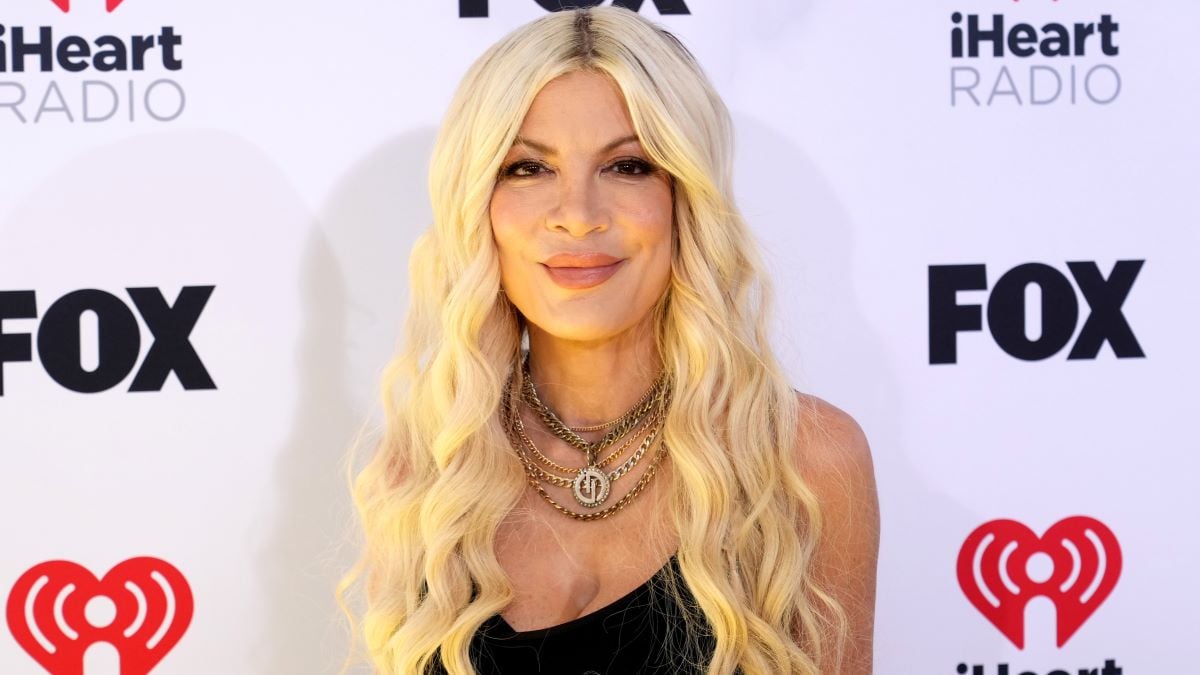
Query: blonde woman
592	462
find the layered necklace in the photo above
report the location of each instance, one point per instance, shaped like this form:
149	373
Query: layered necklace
590	484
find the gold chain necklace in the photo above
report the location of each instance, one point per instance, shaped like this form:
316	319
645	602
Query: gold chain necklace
589	481
598	427
556	426
607	460
652	427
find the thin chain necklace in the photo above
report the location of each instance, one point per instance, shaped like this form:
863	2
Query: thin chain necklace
561	430
598	427
652	428
591	486
606	461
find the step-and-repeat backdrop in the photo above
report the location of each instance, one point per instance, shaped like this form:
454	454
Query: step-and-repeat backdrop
981	216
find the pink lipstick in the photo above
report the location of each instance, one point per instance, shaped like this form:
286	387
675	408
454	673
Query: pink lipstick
581	270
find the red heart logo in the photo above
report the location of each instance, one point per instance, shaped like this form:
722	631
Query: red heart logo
46	613
65	5
993	572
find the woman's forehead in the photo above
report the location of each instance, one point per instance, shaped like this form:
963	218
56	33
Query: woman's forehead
579	111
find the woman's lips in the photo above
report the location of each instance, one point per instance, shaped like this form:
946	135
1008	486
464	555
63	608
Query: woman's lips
582	277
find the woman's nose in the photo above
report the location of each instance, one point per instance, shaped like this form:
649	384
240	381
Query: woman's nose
579	207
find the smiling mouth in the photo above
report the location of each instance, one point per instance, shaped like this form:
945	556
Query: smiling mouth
582	277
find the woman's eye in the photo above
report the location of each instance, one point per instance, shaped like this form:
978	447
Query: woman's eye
523	169
632	167
530	169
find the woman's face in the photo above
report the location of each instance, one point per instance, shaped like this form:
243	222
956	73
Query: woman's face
575	193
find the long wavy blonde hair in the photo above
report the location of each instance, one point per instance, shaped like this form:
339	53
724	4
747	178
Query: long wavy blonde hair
746	520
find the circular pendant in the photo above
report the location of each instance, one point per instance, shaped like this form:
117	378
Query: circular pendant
591	487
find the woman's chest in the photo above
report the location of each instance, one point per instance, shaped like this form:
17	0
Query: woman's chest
561	569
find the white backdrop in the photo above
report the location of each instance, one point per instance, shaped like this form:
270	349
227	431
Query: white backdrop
280	156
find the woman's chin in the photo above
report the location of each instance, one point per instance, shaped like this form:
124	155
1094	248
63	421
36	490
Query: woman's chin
582	328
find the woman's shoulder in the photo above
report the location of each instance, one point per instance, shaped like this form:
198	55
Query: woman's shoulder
835	459
829	438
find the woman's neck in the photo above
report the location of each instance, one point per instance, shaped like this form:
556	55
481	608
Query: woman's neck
587	383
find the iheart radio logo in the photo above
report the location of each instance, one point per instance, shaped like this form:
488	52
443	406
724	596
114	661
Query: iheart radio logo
1076	565
58	609
65	5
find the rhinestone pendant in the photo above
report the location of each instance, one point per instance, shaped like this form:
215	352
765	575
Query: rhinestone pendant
591	487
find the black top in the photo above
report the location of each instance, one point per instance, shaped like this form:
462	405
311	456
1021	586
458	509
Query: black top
641	633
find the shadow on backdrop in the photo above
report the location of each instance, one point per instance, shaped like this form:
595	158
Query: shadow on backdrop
354	289
808	241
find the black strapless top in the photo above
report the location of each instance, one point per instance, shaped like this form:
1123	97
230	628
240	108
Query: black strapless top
641	633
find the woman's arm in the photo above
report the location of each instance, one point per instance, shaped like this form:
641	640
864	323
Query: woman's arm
836	462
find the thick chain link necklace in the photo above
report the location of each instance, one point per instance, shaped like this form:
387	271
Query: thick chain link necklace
591	485
622	424
640	430
653	429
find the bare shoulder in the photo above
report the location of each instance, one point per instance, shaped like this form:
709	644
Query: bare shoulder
834	458
829	441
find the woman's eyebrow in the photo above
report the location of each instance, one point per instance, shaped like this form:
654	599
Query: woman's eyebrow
546	149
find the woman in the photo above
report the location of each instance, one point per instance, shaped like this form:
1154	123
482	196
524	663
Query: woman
639	489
